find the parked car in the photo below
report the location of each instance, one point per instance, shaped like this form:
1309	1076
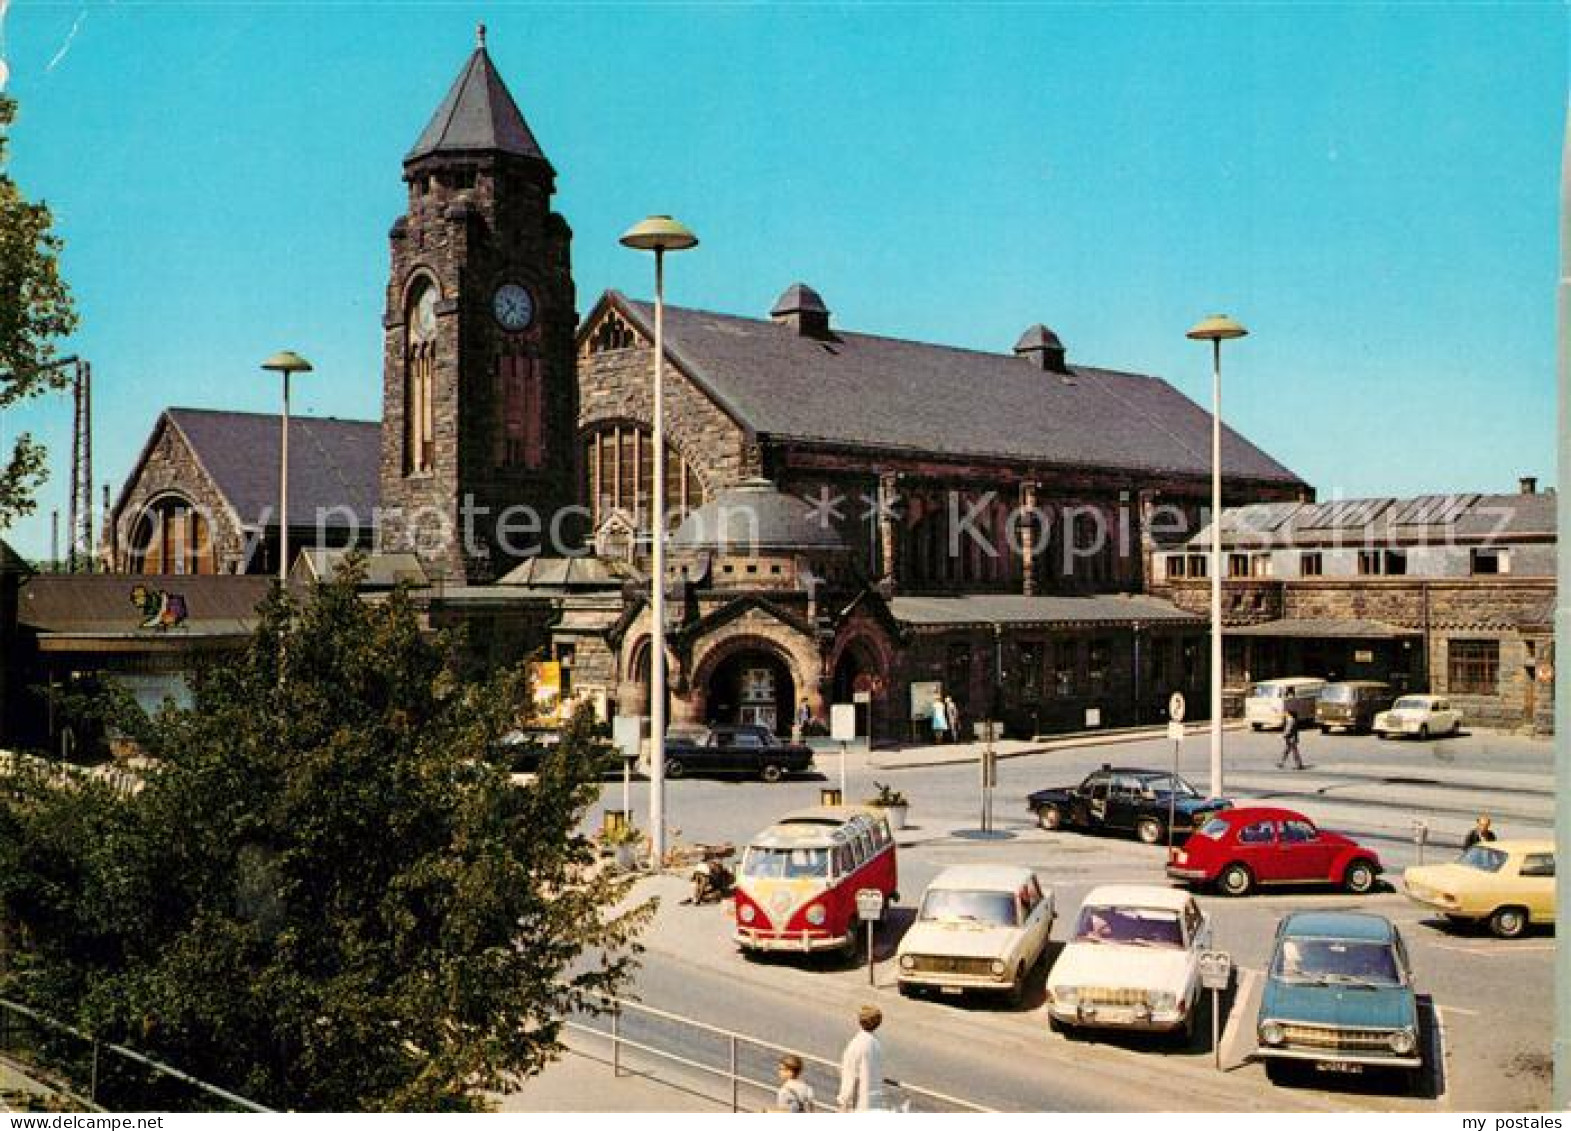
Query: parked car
1133	961
1339	995
1420	715
1255	846
744	749
1128	800
1508	884
522	750
1271	700
978	928
1352	705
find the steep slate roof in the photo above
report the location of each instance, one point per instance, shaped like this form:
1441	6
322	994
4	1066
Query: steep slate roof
332	463
478	115
864	390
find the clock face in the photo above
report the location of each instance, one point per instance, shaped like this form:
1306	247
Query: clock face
513	306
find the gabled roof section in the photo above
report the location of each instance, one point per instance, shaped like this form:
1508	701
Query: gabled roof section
867	391
334	465
478	116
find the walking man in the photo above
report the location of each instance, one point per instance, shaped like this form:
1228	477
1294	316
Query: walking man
862	1065
1290	743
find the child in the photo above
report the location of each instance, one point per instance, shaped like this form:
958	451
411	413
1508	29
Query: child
794	1094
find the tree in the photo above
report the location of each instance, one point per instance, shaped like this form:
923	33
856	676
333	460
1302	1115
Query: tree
35	312
328	894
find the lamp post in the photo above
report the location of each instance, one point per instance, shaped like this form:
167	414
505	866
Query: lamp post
658	234
1216	329
288	363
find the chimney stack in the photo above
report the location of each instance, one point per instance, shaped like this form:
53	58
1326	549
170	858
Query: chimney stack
1041	347
1528	484
801	308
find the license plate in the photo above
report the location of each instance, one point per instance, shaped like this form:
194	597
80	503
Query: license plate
1340	1066
950	990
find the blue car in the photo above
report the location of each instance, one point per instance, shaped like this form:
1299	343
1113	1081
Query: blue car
1339	996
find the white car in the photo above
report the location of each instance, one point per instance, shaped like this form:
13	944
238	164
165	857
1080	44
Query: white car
1132	963
1419	715
978	928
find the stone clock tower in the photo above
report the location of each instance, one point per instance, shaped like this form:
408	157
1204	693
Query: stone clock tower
479	397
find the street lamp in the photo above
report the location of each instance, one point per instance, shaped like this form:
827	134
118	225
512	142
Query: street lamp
658	234
1216	329
288	363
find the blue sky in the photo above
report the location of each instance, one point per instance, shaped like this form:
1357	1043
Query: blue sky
1372	190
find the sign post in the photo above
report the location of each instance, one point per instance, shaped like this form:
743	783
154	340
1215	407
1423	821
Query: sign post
1216	970
1420	836
1175	732
869	910
842	728
627	734
987	731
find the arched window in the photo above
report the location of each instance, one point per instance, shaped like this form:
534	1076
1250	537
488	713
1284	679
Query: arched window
419	379
171	537
619	461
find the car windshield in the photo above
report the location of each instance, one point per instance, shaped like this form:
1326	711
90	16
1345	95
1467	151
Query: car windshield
996	908
1131	926
1214	828
1161	783
1484	858
785	863
1263	691
1411	704
1337	962
1337	693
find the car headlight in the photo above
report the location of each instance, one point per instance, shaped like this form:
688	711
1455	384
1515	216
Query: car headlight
1403	1042
907	962
1271	1033
997	968
1162	1001
816	915
748	913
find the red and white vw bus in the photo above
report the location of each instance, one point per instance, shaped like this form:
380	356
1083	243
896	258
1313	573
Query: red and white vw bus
797	884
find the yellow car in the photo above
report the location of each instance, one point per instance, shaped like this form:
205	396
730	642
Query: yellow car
1506	883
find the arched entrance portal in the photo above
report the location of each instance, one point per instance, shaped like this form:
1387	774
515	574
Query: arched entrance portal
751	686
856	680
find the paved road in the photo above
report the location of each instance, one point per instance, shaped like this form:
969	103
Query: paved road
1007	1059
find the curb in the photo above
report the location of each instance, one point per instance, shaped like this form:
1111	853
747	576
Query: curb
1074	741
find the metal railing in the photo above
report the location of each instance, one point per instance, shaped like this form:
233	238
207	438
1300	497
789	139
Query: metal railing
101	1075
743	1065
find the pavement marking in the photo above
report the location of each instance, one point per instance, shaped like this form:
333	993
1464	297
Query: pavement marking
1495	952
1454	1009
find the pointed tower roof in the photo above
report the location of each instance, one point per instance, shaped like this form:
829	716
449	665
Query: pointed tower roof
478	115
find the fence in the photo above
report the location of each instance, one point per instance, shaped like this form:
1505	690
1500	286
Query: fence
83	1072
739	1067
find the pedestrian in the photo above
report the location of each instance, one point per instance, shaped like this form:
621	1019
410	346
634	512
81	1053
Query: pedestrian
1290	742
1481	832
804	715
954	718
940	718
794	1094
862	1065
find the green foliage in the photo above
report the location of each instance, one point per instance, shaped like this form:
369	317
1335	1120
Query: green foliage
35	311
328	895
887	797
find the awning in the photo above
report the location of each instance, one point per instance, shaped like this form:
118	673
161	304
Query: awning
982	609
1309	629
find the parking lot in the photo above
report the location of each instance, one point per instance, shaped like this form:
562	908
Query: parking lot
1469	983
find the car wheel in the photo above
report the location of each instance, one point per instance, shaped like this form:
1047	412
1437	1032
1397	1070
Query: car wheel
1423	731
1414	1081
1383	736
674	768
1236	880
1359	877
771	773
1279	1071
1149	830
1254	726
907	989
1509	922
1017	992
1054	1025
1050	817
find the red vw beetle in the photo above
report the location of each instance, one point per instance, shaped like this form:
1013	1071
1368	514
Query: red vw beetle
1238	849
